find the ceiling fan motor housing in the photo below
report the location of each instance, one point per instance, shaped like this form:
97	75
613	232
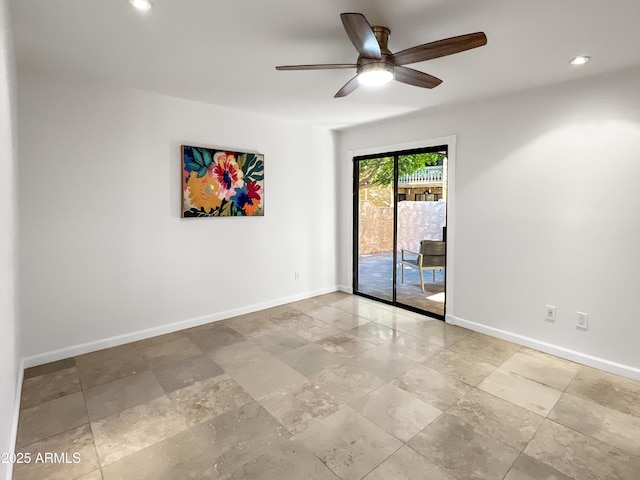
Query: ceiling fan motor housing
386	61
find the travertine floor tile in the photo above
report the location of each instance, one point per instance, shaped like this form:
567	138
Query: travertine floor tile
49	368
440	333
167	352
346	382
277	340
48	386
432	387
417	349
239	355
526	393
385	362
503	420
209	398
552	371
462	451
110	364
368	309
159	340
253	322
486	349
214	338
314	330
127	392
607	389
261	379
76	456
618	429
409	465
299	406
337	318
527	468
179	457
579	456
136	428
183	373
261	319
349	444
399	320
287	460
375	333
293	320
312	358
50	418
396	411
95	475
239	436
346	344
458	366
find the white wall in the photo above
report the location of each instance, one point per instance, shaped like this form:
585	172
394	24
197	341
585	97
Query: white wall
10	367
547	212
104	252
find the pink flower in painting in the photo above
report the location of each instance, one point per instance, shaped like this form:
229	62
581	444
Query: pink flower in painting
226	170
185	178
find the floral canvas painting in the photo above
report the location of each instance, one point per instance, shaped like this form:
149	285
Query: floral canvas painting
219	183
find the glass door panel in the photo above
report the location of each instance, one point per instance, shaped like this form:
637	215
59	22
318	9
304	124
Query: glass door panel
421	220
375	227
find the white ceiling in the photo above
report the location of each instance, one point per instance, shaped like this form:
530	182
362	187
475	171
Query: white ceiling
224	52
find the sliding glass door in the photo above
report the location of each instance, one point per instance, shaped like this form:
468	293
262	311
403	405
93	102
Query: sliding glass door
400	210
376	220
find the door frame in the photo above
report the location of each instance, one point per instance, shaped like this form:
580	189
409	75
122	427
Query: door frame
387	150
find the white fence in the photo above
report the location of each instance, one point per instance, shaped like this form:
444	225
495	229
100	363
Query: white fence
425	175
416	221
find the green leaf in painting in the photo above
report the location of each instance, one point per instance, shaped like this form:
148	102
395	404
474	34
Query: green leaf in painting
242	161
192	167
256	171
225	209
202	172
206	155
197	156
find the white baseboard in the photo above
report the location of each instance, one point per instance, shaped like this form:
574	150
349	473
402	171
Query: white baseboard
345	289
89	347
558	351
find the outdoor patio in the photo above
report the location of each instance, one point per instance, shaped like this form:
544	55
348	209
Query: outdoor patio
375	278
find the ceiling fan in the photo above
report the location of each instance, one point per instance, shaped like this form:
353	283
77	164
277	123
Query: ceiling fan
376	65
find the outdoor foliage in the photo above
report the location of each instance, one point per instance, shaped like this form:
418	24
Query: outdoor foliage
379	171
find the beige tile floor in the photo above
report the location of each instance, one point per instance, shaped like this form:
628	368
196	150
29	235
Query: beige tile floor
334	387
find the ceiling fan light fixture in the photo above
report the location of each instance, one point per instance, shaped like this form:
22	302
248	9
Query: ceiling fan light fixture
373	78
580	60
142	6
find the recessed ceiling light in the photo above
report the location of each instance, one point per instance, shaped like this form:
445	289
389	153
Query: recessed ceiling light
141	5
580	60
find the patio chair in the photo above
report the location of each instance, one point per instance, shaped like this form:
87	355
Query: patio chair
430	257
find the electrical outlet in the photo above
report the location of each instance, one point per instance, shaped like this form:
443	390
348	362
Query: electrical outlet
583	321
297	275
550	313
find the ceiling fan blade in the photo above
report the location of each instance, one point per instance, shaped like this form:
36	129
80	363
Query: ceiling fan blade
322	66
348	87
361	35
440	48
415	78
